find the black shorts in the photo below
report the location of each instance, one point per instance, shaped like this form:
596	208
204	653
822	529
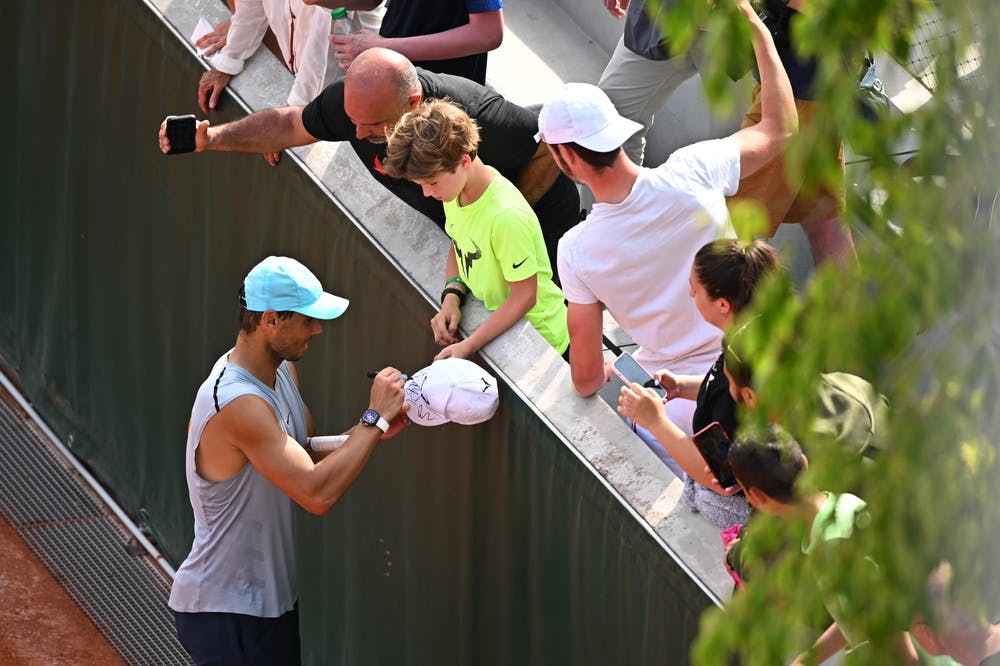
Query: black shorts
224	639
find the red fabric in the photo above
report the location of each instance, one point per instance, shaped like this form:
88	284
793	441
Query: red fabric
729	535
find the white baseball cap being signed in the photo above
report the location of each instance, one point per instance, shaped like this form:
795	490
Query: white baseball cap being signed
452	389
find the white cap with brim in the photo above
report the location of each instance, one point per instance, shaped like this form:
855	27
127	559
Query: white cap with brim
452	389
581	113
283	284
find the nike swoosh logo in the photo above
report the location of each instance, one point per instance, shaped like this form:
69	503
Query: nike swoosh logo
518	264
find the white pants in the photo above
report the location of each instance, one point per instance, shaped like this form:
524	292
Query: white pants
639	87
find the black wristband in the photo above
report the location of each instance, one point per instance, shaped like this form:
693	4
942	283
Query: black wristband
457	292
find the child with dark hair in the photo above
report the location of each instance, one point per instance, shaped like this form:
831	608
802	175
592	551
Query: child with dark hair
767	469
770	466
848	410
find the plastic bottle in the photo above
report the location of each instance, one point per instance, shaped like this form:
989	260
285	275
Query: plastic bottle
344	24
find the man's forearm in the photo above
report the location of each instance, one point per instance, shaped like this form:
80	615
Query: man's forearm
537	175
341	467
586	358
689	386
271	130
586	367
483	33
586	384
777	102
517	304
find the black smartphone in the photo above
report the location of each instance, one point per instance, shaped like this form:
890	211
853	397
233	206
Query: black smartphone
628	370
180	134
713	444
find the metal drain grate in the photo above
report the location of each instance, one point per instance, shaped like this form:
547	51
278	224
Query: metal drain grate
124	594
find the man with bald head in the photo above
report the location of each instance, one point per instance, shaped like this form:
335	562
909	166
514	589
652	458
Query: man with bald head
380	86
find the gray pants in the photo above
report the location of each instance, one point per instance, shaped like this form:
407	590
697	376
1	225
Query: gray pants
639	87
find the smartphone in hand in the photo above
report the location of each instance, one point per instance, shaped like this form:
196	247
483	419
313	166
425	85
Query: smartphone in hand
628	370
180	134
713	444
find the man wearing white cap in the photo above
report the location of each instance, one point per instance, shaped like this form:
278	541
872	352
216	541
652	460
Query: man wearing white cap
633	253
235	596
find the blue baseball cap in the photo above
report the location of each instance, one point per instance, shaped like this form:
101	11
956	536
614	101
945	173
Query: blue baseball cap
282	283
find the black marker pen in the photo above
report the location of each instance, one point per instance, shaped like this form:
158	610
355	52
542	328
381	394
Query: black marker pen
372	374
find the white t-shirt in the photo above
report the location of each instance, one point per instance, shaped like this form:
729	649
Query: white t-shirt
635	257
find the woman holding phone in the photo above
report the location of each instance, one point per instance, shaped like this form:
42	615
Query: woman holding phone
724	275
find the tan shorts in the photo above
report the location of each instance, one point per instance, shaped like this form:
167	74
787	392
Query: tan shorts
781	194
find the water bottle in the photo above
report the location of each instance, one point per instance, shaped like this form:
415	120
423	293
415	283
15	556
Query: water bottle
343	24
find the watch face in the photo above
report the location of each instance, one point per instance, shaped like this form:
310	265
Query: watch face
370	417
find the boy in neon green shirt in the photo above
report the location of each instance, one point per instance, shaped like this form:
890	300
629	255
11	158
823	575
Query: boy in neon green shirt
497	252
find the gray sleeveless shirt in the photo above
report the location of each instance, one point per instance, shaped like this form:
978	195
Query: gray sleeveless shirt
243	557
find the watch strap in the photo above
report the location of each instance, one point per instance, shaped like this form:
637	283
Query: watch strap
381	423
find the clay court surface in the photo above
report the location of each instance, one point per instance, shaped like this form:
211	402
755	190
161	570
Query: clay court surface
39	623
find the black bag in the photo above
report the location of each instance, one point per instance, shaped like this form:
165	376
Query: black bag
870	95
776	17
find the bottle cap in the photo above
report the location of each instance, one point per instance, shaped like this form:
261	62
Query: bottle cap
338	13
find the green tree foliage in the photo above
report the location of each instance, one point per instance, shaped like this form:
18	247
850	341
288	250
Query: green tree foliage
919	318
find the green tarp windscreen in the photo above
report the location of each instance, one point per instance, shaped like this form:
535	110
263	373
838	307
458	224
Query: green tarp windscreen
492	544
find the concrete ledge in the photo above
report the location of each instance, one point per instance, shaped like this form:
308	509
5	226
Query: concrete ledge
520	356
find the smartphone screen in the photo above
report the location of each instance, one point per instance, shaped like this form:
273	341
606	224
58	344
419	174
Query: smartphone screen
713	443
180	134
628	370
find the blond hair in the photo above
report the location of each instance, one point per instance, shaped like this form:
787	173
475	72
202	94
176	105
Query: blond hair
430	140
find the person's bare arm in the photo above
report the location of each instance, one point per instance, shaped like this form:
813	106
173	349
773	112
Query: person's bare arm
444	325
483	32
645	407
765	140
586	358
832	641
679	386
538	174
247	424
246	31
522	297
267	131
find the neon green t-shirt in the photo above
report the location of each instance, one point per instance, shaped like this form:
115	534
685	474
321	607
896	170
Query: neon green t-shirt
835	523
498	240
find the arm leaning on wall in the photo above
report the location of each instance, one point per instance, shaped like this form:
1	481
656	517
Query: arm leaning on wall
246	32
315	64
